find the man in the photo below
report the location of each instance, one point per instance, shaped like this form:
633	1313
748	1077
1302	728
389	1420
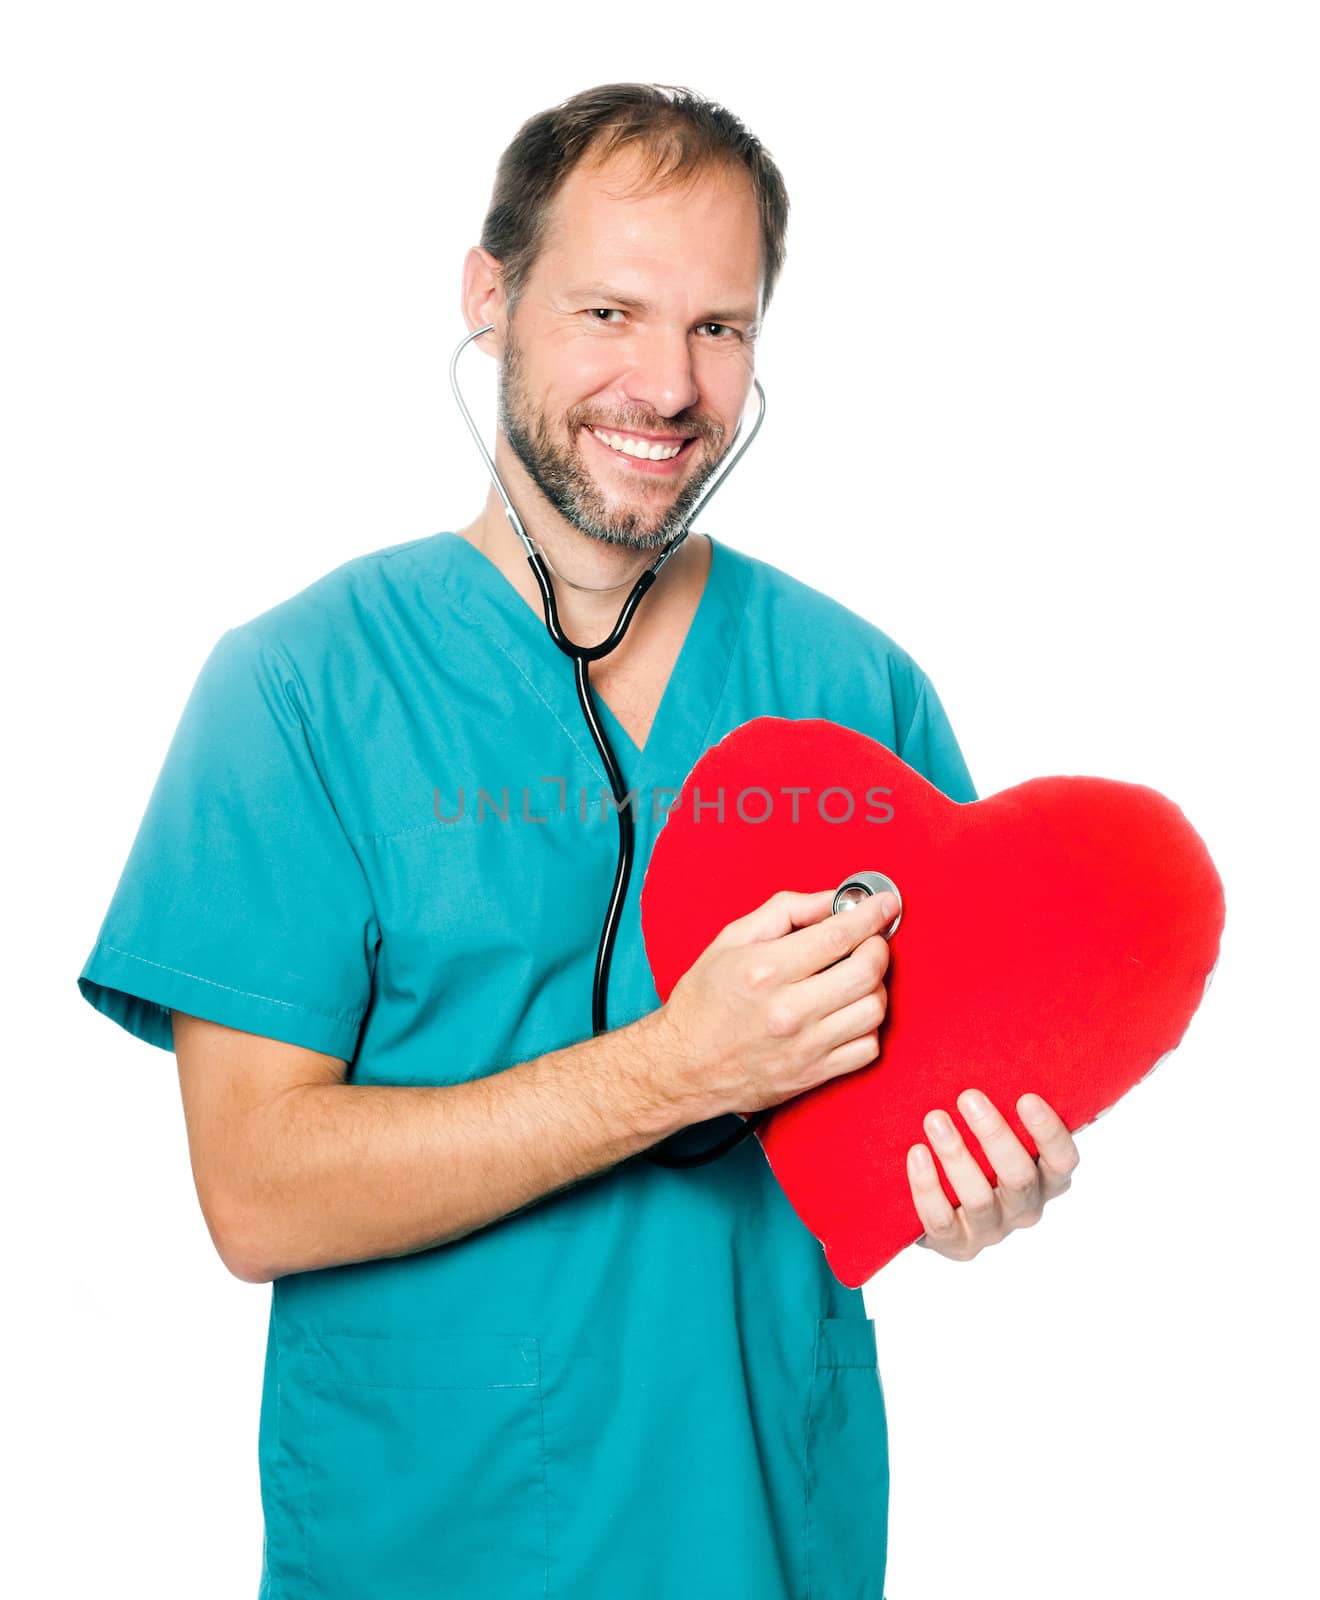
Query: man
507	1355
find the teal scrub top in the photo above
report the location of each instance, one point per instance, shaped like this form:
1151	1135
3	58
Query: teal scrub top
649	1384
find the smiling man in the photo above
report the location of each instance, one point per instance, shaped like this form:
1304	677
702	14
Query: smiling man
509	1356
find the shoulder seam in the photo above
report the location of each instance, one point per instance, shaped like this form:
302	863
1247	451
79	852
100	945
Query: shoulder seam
916	707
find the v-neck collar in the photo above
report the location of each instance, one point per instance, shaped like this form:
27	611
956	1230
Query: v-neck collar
680	728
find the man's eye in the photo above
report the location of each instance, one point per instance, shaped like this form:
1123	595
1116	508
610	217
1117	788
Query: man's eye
726	328
605	311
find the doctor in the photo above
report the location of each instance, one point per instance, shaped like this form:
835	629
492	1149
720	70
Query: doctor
507	1356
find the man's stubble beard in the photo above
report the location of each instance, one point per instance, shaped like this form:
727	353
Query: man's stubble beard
551	461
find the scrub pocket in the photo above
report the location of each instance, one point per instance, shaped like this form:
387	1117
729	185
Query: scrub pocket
425	1468
847	1465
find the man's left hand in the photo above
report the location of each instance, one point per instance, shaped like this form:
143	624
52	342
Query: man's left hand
988	1212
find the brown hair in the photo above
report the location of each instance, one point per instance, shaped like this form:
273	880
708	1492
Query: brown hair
677	132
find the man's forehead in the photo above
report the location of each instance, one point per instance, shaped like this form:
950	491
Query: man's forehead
628	178
598	227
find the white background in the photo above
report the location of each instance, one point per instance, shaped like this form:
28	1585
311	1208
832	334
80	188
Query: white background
1041	381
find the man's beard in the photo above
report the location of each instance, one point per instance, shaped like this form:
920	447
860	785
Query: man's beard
552	462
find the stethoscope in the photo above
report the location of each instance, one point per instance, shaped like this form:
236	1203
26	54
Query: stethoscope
582	656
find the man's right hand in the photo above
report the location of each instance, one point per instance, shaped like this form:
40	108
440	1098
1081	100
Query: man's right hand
782	999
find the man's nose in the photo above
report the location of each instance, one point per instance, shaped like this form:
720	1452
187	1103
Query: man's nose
663	375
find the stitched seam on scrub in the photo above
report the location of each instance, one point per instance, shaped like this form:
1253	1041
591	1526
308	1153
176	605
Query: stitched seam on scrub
248	994
921	695
307	1489
438	1388
806	1464
545	1481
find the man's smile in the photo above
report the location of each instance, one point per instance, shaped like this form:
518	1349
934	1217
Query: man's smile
656	454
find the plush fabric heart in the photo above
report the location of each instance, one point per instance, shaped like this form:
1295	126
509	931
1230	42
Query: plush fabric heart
1056	938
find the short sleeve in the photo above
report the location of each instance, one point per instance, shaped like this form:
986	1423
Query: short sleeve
242	900
930	747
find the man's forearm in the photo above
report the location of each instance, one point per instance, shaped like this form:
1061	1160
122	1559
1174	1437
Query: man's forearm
342	1172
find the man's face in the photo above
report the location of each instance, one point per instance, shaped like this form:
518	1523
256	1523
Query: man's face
638	320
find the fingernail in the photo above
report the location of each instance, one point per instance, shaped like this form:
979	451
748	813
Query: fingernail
976	1103
888	903
1032	1108
940	1125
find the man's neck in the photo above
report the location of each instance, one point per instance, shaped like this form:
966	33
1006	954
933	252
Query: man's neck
585	616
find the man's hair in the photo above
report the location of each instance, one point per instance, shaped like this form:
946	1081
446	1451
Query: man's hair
678	135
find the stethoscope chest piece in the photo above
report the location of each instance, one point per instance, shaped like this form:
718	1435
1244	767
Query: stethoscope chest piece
861	886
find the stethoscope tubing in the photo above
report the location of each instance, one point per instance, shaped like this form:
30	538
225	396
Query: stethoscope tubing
582	656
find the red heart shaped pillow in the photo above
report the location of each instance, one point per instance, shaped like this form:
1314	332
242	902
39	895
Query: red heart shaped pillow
1056	938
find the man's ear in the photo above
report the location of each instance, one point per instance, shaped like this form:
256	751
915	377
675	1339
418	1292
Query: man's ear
483	299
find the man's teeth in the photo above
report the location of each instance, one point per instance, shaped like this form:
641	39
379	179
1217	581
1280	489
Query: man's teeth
638	447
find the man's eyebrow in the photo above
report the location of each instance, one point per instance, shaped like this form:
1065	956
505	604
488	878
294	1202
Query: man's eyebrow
604	292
